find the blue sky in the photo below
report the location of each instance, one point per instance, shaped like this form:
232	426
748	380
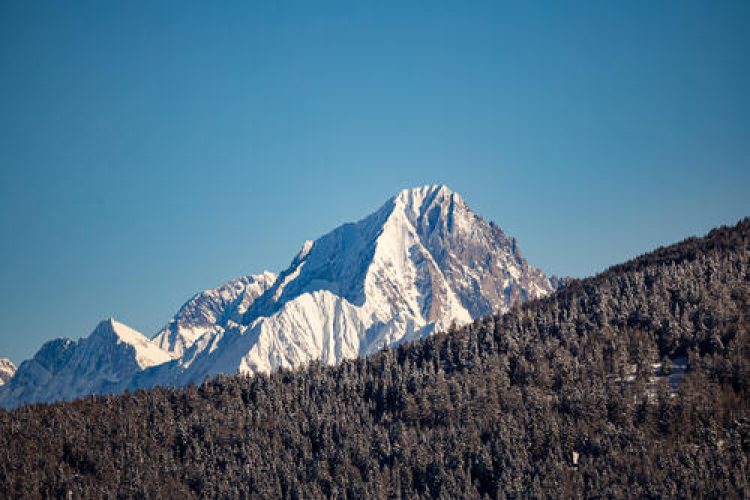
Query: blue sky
149	150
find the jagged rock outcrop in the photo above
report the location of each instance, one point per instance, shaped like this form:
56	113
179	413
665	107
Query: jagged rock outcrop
7	369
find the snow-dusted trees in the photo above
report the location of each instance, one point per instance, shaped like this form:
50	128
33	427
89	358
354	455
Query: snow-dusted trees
498	408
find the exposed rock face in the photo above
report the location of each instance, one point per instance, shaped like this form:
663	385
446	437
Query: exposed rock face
7	369
211	311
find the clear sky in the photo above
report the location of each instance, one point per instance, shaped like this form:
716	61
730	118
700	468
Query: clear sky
149	150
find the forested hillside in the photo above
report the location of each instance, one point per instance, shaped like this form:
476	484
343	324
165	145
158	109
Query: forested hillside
557	398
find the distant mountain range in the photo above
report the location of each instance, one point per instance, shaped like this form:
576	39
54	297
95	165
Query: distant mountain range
421	262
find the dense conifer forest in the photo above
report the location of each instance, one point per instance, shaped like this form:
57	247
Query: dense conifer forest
573	395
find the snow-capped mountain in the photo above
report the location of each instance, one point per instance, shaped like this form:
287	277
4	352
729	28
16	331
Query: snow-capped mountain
7	369
421	262
212	310
103	362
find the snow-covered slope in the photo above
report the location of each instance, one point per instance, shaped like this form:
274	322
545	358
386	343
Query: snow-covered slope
7	369
103	362
419	263
211	311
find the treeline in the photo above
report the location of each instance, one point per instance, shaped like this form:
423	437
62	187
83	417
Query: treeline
554	399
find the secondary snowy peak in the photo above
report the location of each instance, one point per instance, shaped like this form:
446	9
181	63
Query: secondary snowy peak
7	369
420	262
147	353
212	310
103	362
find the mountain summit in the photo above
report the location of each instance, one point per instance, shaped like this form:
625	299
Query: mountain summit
419	263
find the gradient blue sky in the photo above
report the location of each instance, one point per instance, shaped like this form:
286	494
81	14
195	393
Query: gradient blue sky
149	150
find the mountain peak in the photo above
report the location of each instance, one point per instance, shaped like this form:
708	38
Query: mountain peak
433	207
421	261
147	352
420	199
110	326
424	191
